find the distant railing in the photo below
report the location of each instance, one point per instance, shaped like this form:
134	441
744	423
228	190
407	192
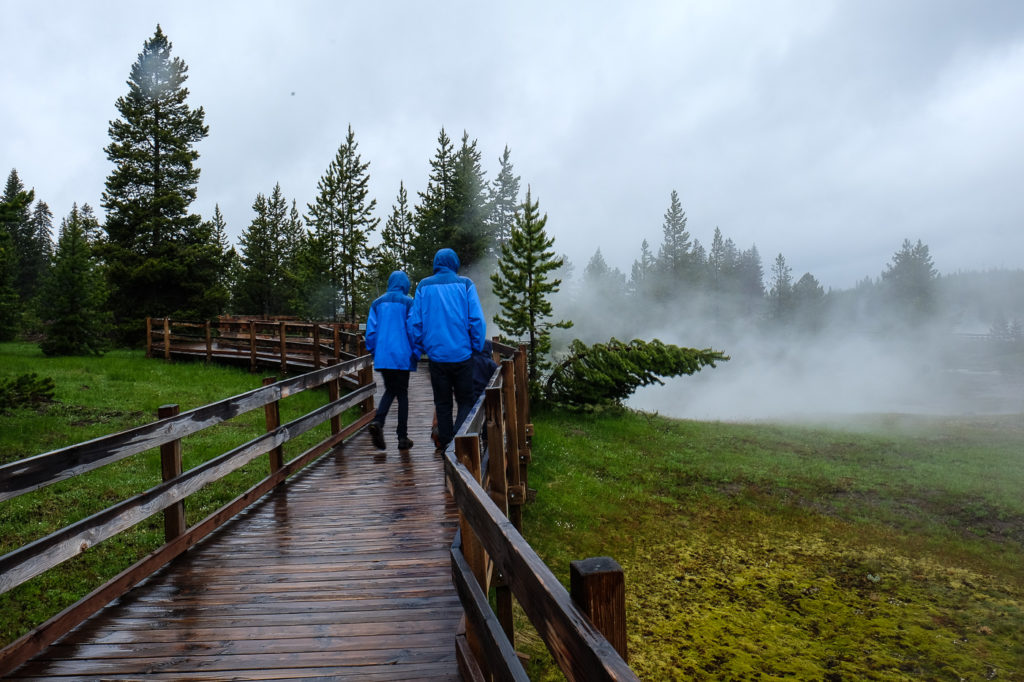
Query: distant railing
288	344
486	469
23	476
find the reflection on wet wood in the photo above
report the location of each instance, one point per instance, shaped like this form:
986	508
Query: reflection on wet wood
342	573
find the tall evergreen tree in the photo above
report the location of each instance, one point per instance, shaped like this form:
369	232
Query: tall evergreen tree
264	285
674	257
14	212
30	252
504	202
643	272
472	238
781	292
342	221
522	285
453	211
228	257
159	257
808	300
397	237
910	281
435	214
74	294
42	234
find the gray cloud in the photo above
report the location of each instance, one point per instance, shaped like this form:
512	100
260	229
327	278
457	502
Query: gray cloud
826	131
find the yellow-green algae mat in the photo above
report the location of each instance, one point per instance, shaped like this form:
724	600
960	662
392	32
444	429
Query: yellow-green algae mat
804	606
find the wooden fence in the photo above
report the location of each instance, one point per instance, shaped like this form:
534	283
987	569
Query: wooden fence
42	470
288	344
486	467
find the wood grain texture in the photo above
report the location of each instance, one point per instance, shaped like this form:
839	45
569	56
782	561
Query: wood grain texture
344	572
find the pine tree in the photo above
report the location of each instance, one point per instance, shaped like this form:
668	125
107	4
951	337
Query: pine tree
159	257
42	235
674	257
643	272
522	286
397	237
781	292
228	256
10	306
342	221
910	282
435	214
14	211
504	202
453	211
73	300
608	373
31	253
472	240
266	258
808	301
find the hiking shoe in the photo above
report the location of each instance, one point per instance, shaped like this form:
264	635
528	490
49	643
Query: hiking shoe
377	435
404	444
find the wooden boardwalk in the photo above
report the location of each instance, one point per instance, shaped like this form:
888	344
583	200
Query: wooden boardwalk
342	573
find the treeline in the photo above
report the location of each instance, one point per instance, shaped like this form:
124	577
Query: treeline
152	256
327	259
723	289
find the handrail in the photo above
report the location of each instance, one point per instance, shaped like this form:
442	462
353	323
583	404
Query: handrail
287	343
20	477
488	484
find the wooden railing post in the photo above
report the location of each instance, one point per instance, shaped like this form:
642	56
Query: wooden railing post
170	467
516	490
333	393
467	451
598	587
209	343
337	342
149	337
365	378
272	412
252	345
316	345
167	339
284	346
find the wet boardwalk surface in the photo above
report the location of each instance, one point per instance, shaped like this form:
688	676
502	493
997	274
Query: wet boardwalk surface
343	573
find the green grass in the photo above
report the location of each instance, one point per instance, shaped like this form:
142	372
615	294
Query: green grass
887	549
96	396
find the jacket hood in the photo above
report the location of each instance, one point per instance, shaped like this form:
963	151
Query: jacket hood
446	258
398	281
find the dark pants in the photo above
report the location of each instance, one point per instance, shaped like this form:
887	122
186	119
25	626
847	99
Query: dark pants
451	379
396	385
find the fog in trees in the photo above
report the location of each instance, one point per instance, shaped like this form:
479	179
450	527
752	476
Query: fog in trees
906	339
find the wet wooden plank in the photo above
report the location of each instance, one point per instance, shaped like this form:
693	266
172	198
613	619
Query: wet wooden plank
343	573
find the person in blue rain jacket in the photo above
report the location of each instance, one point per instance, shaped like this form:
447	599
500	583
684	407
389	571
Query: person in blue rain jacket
388	339
447	323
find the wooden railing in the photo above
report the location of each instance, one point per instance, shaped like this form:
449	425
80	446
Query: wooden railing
486	469
42	470
285	343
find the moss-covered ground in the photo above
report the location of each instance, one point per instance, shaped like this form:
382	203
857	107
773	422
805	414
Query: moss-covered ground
889	548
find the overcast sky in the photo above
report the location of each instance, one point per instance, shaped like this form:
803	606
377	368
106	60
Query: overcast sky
827	131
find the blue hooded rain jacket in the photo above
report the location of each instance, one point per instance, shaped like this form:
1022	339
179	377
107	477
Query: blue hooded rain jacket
446	319
386	332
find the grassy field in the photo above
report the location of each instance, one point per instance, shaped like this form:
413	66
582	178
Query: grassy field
886	548
889	548
94	397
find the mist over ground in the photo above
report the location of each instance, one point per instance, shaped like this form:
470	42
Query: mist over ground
859	355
